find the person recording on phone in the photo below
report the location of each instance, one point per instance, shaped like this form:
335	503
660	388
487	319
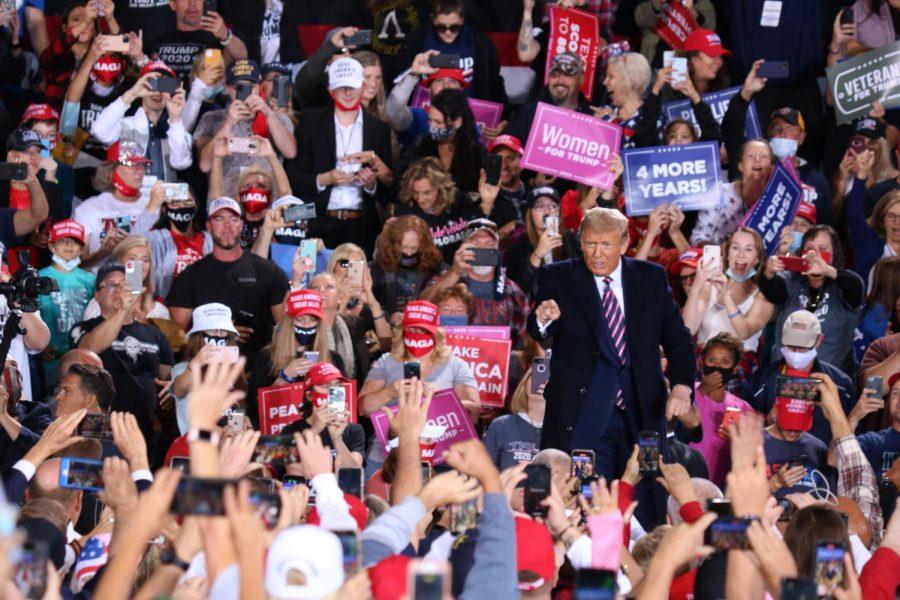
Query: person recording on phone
607	317
156	125
23	147
348	440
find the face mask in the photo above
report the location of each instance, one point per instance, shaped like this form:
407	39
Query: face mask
483	270
418	344
799	360
45	147
796	242
453	320
727	374
408	261
317	399
305	336
68	265
441	134
255	200
783	147
106	70
215	340
740	278
181	217
123	188
343	106
102	90
210	93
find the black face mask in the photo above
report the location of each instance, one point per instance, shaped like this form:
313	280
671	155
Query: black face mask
181	218
306	336
727	374
215	340
408	261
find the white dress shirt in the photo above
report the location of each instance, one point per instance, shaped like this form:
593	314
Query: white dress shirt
347	140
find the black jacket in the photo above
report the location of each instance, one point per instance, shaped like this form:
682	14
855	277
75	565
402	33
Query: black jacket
518	258
246	20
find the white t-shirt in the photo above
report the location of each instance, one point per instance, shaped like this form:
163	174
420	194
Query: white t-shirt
92	212
270	39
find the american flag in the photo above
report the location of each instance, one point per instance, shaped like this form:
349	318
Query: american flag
93	556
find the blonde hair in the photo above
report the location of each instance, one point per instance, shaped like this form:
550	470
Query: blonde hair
130	243
439	355
342	252
634	68
601	219
519	401
254	171
433	170
283	347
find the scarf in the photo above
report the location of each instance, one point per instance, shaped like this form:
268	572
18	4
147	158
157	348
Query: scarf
341	342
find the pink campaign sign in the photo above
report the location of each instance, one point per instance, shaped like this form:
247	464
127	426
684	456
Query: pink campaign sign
571	145
488	332
487	114
445	409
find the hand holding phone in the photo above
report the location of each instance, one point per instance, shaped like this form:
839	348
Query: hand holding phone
537	488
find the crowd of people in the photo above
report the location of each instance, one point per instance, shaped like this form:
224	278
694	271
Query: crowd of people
205	205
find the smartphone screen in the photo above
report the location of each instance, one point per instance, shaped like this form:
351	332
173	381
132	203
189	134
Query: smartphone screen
426	472
798	388
290	481
31	569
464	516
798	588
81	474
96	426
720	506
583	464
728	533
182	463
200	496
537	488
412	369
268	506
350	480
829	567
276	449
595	584
337	399
350	550
648	451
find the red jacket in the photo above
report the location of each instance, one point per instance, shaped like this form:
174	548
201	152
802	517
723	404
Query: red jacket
880	578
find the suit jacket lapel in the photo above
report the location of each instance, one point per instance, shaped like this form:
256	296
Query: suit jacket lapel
586	291
330	133
630	293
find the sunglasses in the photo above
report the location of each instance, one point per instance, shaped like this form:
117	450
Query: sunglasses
344	263
455	28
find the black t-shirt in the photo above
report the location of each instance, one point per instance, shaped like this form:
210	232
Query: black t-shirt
133	361
154	17
354	436
250	286
92	104
448	227
178	49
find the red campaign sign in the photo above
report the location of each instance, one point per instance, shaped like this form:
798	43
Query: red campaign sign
280	405
575	31
675	24
489	361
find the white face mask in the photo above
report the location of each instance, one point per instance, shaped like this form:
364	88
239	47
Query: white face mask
68	265
102	90
799	360
483	271
783	147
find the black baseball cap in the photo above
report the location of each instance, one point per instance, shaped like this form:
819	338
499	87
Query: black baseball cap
22	139
275	67
869	127
542	192
106	270
242	69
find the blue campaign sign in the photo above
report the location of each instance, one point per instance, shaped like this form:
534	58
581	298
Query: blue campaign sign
775	208
718	103
687	175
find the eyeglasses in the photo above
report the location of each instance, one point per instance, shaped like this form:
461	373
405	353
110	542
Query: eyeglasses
455	28
112	287
892	217
687	278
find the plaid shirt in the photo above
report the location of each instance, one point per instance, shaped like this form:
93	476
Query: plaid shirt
606	14
58	65
857	481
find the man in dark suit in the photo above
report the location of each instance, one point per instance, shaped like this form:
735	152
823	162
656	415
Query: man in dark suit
608	317
343	153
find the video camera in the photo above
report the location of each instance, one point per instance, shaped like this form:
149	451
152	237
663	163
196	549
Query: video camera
26	286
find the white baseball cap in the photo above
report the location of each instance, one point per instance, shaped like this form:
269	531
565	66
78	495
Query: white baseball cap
312	552
223	202
214	315
345	72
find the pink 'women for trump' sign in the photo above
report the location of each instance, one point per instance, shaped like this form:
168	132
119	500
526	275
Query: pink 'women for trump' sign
572	145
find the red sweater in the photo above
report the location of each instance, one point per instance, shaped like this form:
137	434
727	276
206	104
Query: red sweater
880	577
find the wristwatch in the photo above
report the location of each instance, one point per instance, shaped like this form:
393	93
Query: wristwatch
196	434
169	557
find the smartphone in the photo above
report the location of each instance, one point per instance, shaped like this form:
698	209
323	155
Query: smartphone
731	417
175	192
99	6
337	399
668	57
797	264
712	256
81	474
235	416
134	276
244	319
96	426
778	69
875	382
583	463
350	480
212	57
648	452
595	584
210	6
200	496
537	488
798	588
491	165
412	369
312	357
350	550
551	224
275	449
887	498
31	569
797	461
428	580
486	257
308	251
183	463
728	533
355	273
679	70
165	84
242	90
464	516
261	485
281	90
123	222
444	61
720	506
224	354
847	16
117	43
829	567
13	171
268	506
363	37
241	145
426	472
290	481
540	372
799	388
